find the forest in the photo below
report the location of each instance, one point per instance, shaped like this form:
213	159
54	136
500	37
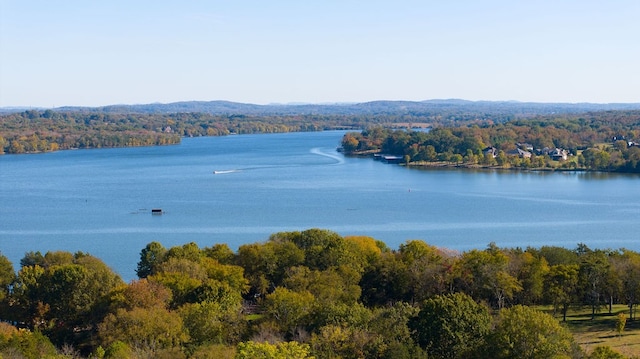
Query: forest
43	131
316	294
35	131
600	141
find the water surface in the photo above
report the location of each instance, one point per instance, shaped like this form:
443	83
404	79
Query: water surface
241	189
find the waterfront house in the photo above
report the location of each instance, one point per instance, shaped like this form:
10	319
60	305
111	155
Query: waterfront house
558	154
492	151
520	153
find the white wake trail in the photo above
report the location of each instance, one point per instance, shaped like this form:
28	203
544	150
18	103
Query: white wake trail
339	159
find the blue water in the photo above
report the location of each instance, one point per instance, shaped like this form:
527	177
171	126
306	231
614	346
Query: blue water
100	201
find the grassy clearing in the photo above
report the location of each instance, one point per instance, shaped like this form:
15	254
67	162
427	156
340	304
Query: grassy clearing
601	331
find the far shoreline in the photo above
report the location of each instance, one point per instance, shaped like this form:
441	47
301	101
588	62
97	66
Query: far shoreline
467	166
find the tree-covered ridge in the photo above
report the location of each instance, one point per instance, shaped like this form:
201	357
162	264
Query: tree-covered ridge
603	141
448	107
143	125
312	294
42	131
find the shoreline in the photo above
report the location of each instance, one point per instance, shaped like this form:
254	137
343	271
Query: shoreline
468	166
492	167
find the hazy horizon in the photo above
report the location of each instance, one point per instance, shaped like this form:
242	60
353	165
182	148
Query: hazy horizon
347	103
93	54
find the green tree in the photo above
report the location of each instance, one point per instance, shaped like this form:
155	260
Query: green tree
337	284
562	287
265	265
594	272
149	330
118	350
451	326
391	323
469	157
627	268
16	343
427	268
621	321
531	272
557	255
455	158
189	251
387	280
604	352
485	276
182	286
232	275
430	153
64	300
339	314
322	248
501	159
150	258
333	341
211	323
284	350
26	305
7	276
523	332
220	252
289	310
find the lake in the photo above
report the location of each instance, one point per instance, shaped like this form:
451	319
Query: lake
240	189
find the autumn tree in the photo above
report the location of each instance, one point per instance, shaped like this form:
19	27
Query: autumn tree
140	294
24	343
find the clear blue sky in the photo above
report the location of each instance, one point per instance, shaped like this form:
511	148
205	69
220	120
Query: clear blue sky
93	53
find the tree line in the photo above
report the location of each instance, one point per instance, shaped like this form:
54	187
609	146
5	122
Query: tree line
51	130
312	294
602	141
43	131
35	131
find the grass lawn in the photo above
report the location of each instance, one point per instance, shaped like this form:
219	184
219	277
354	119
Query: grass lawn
601	331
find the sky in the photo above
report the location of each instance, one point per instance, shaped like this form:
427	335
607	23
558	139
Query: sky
96	53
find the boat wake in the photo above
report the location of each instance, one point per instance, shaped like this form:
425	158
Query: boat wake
221	172
339	159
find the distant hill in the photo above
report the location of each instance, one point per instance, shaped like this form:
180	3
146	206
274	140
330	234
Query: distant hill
417	108
429	107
